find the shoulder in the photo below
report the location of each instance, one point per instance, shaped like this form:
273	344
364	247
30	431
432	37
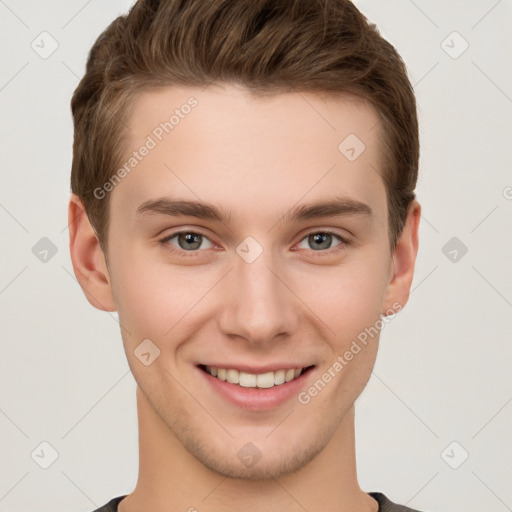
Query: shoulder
111	506
386	505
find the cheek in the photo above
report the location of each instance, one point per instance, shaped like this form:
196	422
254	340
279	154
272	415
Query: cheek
152	297
348	298
141	294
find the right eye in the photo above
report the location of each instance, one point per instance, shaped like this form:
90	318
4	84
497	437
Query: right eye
188	241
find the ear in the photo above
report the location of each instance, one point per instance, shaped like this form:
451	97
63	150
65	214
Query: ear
404	259
89	263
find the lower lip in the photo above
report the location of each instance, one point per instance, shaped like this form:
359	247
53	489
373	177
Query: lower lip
256	399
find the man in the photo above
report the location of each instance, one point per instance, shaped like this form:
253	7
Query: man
243	196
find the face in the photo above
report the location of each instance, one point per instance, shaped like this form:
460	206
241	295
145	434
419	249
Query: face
247	244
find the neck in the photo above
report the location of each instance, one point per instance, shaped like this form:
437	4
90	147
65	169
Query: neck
170	476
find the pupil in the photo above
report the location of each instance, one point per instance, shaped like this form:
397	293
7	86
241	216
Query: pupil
191	238
318	238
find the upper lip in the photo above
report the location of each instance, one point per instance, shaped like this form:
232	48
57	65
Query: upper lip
271	367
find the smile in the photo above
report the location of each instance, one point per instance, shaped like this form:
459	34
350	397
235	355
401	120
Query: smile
250	380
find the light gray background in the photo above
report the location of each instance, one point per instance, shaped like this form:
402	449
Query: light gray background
443	369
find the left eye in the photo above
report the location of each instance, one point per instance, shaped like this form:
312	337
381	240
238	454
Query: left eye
321	240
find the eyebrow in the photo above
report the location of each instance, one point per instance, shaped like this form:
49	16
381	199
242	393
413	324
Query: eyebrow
333	207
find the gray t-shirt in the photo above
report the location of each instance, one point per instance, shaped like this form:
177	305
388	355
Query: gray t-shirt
385	505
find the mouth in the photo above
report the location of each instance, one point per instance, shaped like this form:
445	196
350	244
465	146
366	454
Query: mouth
264	380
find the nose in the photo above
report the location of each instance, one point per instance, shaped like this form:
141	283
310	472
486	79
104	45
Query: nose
258	303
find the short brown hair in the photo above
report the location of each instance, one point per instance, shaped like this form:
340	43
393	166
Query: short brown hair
268	46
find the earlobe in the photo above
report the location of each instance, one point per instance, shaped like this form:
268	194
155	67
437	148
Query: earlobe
88	258
404	259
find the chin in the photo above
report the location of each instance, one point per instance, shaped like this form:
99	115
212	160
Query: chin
269	457
266	468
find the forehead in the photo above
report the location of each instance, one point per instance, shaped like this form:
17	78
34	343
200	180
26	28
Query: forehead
222	144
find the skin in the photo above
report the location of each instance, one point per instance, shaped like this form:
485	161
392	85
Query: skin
258	158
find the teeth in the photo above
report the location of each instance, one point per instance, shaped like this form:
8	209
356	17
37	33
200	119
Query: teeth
232	376
289	375
265	380
279	377
249	380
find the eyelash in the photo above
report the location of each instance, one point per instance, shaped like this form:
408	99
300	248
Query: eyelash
344	242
